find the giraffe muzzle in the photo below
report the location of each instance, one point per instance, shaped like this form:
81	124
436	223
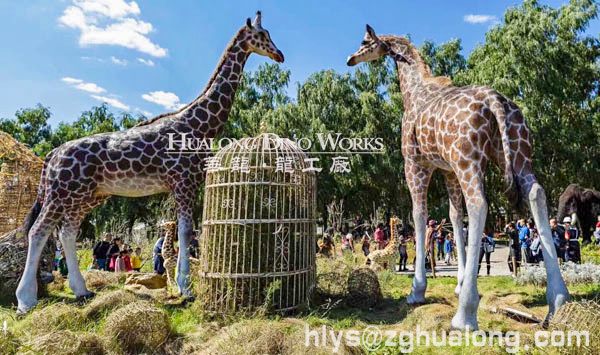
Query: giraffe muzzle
351	61
278	57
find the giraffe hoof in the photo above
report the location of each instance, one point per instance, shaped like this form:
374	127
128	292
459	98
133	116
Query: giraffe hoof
85	298
188	300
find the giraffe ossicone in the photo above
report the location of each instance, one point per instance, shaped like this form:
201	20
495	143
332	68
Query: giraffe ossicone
458	130
84	173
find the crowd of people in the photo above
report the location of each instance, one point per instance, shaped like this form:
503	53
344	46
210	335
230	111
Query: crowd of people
112	255
524	242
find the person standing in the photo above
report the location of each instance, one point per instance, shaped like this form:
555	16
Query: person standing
112	253
136	261
379	236
448	249
558	237
157	257
524	240
514	251
572	237
100	250
536	248
487	248
597	231
358	227
440	241
402	251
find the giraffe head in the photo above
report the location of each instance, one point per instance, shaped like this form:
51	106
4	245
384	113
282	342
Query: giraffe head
259	41
373	47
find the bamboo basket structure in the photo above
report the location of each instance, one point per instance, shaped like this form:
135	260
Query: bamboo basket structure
20	172
258	229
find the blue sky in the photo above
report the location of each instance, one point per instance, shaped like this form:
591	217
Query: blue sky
151	56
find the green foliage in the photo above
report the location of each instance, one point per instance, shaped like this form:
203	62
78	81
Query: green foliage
539	56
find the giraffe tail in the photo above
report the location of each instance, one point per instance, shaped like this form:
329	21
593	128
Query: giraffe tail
36	209
513	190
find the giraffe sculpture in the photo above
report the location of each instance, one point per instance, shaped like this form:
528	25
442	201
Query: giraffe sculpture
168	251
84	173
386	257
458	130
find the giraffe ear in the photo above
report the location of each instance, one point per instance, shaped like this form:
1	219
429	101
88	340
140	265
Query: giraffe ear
371	33
248	23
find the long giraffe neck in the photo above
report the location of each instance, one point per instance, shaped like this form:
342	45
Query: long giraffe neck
210	110
415	76
168	248
207	114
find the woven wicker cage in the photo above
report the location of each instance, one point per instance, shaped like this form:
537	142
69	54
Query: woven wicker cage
258	229
20	172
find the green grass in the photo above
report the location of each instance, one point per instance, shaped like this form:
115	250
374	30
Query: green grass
190	325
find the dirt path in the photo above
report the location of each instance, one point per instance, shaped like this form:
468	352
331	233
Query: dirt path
498	261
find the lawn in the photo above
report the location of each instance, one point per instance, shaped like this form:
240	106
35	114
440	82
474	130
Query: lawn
61	323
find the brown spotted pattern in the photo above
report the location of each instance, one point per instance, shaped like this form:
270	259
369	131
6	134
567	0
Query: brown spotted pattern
84	173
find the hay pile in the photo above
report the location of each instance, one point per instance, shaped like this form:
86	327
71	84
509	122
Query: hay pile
363	289
9	344
65	343
264	337
97	279
55	317
107	302
579	316
138	327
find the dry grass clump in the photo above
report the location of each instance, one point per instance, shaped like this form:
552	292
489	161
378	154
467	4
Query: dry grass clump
264	337
58	284
57	316
64	342
107	302
579	316
98	279
138	327
363	289
429	317
8	343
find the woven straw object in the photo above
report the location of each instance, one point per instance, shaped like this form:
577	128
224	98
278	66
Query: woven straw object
20	172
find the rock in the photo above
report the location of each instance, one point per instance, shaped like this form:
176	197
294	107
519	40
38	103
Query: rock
149	280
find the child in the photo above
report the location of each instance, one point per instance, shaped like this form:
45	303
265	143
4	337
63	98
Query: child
136	261
120	262
127	260
62	264
448	249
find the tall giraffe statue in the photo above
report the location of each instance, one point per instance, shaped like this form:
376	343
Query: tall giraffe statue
458	130
84	173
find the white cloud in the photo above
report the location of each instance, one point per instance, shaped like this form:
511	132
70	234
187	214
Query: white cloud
118	61
110	22
168	100
147	62
110	8
81	85
477	19
70	80
112	101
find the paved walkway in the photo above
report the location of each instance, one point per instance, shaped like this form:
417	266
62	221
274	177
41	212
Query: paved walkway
498	260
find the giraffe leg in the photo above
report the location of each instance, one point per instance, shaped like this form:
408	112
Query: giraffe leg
418	181
556	290
68	236
456	218
38	235
468	300
184	198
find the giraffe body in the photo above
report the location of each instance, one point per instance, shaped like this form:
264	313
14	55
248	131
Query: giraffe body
386	257
84	173
458	130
